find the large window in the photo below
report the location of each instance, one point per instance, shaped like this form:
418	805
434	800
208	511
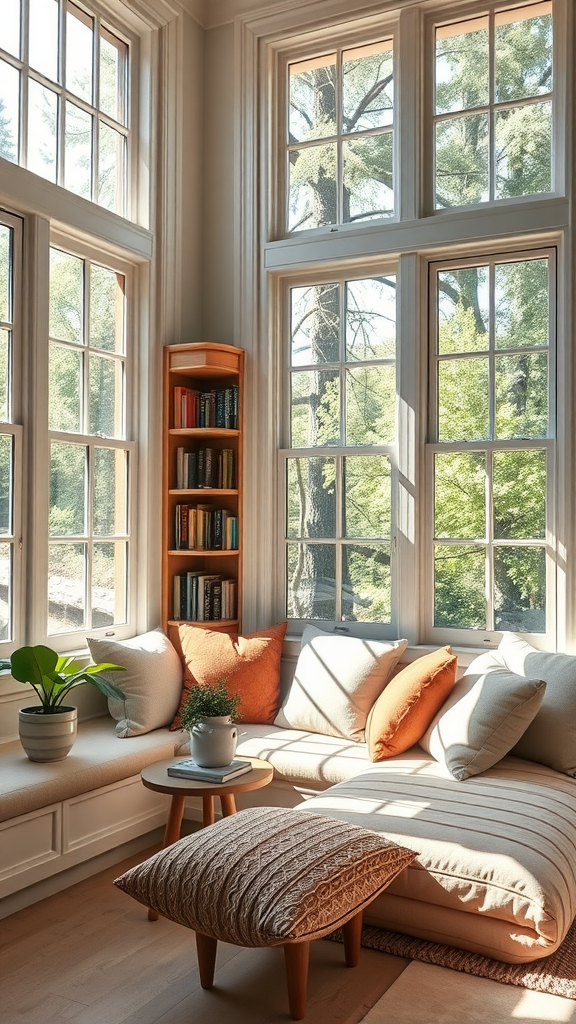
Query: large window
10	432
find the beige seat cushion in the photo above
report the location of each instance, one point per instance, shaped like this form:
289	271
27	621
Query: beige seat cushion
267	876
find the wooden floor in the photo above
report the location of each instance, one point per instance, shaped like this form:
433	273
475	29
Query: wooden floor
90	955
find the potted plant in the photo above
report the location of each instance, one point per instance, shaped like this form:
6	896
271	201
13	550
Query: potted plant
208	714
48	730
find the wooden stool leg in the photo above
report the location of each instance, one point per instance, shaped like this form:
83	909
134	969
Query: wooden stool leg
352	933
297	956
228	804
207	811
171	832
206	951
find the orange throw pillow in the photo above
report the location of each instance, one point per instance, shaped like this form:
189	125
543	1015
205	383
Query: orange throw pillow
409	702
249	664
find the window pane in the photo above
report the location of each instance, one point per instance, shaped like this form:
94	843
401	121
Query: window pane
315	318
6	592
66	587
10	39
42	124
520	589
311	498
523	153
463	310
519	495
462	66
313	197
371	405
113	64
371	318
366	583
108	584
5	273
111	169
367	496
368	87
522	396
521	304
66	296
463	400
110	492
462	160
78	152
67	489
106	397
311	582
523	53
5	377
79	43
6	484
368	164
43	38
459	587
106	309
312	112
315	408
460	495
65	389
9	111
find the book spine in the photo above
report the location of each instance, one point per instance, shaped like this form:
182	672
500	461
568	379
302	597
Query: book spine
216	600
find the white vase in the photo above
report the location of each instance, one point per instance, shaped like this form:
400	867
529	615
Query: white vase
47	737
213	741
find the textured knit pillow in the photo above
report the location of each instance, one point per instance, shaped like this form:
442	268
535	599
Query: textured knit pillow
336	682
408	704
484	716
250	665
550	738
152	681
267	875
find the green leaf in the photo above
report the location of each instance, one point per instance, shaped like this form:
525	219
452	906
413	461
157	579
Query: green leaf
32	664
104	666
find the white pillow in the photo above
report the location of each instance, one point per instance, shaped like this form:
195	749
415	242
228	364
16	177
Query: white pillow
152	681
336	682
551	738
484	716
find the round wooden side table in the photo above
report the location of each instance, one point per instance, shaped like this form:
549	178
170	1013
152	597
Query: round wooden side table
155	777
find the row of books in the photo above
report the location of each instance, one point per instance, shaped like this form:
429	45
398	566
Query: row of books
216	408
205	528
204	597
206	467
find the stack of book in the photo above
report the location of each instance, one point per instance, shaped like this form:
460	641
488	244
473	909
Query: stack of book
204	597
216	408
188	769
204	468
204	528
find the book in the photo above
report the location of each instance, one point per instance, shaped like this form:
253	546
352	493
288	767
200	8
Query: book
188	769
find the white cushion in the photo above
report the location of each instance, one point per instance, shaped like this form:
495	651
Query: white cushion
484	716
336	682
550	738
152	681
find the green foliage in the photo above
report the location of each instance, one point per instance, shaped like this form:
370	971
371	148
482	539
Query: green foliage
52	675
206	701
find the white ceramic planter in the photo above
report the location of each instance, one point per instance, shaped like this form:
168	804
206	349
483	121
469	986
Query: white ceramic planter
47	737
213	741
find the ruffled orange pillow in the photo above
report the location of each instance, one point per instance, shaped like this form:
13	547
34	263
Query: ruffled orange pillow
409	702
249	664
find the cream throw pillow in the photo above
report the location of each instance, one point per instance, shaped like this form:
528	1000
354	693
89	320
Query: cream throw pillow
484	716
550	738
336	682
152	681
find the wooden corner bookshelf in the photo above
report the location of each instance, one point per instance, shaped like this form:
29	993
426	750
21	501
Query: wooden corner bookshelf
202	421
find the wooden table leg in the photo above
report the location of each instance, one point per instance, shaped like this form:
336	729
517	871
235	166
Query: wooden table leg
228	805
296	957
206	952
171	832
352	933
207	811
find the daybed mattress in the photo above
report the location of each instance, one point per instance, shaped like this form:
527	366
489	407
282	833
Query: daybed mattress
496	865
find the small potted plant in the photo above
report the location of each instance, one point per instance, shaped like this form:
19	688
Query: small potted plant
208	714
48	730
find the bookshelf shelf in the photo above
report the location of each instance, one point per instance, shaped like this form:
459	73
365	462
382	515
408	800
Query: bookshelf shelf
202	381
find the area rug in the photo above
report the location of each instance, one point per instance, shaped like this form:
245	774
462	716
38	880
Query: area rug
555	974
